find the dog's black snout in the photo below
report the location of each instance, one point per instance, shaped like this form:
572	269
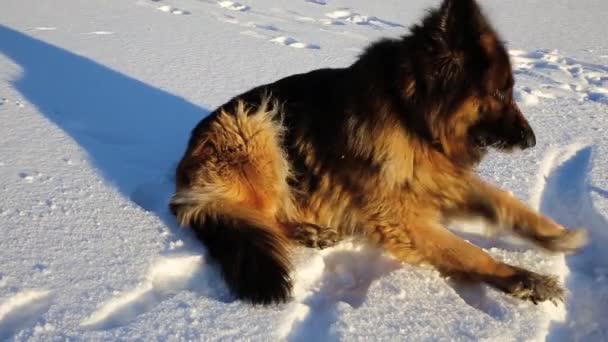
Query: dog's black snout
528	139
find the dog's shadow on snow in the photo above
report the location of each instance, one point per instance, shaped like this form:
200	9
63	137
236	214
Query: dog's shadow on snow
134	133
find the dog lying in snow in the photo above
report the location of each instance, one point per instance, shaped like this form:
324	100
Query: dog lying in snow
384	149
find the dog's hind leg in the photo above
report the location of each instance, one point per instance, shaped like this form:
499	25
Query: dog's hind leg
313	235
232	191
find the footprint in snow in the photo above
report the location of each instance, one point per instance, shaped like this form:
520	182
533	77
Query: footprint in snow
233	5
359	19
291	42
233	20
228	19
527	97
162	8
17	103
26	177
172	10
281	40
267	27
331	22
558	76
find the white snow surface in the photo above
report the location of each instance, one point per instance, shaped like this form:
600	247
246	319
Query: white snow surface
97	100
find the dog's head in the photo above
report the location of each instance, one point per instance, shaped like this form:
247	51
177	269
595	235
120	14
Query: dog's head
463	82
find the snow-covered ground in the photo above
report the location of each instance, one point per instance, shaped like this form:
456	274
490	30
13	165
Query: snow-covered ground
96	103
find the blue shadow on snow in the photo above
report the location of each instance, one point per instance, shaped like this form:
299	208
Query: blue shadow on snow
133	132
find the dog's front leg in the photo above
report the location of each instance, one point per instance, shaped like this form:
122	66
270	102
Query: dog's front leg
420	237
507	212
457	257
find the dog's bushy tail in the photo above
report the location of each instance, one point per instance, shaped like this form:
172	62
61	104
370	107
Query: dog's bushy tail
232	191
252	255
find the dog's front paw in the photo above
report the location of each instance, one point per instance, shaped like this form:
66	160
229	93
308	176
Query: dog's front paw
570	241
535	287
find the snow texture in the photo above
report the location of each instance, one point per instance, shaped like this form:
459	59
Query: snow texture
97	101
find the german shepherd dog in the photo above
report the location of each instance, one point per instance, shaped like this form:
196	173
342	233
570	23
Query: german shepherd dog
384	150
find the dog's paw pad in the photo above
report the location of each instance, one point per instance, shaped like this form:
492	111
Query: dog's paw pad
569	242
537	288
314	236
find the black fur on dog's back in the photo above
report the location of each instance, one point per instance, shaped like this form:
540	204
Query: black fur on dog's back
428	72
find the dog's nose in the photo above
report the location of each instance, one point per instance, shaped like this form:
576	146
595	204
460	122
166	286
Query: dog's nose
528	139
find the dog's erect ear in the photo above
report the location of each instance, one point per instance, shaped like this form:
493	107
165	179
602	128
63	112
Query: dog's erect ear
459	44
460	22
